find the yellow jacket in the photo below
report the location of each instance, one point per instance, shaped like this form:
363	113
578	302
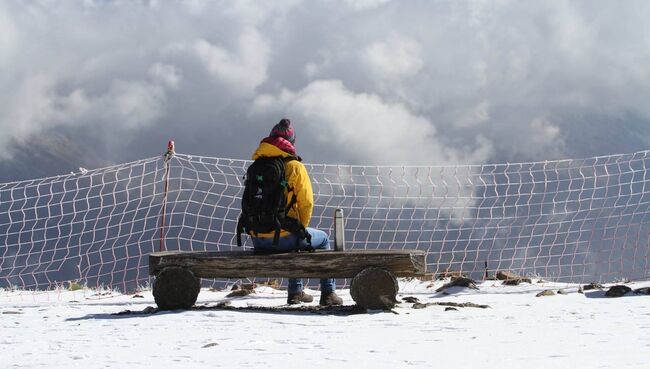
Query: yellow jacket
298	180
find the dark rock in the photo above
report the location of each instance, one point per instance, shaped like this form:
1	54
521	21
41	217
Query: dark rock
460	304
459	282
546	293
592	286
471	304
136	296
249	286
240	293
618	291
212	344
562	292
511	278
410	299
419	305
642	291
505	275
516	282
451	309
150	310
511	282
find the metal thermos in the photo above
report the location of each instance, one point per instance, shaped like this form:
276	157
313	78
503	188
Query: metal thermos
339	230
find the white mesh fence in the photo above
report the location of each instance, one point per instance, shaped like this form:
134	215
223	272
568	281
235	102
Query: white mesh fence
569	220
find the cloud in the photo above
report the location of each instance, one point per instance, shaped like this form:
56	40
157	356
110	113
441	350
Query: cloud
241	72
363	127
166	74
459	81
125	106
365	4
396	57
8	37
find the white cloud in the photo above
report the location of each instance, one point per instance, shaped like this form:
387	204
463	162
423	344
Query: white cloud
543	135
132	105
241	70
126	105
365	4
396	57
166	74
364	127
8	36
461	80
30	103
195	7
473	116
37	105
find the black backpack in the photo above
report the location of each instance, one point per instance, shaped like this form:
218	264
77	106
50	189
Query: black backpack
264	204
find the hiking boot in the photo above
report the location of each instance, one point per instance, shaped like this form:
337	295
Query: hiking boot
330	299
299	297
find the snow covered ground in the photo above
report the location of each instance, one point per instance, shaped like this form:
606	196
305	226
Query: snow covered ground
88	329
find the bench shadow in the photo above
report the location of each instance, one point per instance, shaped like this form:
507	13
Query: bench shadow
344	310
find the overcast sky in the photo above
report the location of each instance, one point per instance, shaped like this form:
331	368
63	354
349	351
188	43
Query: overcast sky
90	83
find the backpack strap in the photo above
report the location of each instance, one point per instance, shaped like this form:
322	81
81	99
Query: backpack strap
291	224
296	227
292	202
276	235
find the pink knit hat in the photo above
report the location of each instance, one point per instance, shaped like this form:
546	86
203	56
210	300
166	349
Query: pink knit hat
283	129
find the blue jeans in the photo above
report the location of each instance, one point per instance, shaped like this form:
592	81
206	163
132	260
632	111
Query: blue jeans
319	240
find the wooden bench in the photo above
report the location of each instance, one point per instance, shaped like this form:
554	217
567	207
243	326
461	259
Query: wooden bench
373	272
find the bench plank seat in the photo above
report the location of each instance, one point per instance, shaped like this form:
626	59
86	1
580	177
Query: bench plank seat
317	264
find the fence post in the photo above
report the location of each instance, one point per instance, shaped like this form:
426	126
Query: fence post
167	156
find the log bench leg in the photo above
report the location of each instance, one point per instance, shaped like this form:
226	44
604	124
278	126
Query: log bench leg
176	288
374	288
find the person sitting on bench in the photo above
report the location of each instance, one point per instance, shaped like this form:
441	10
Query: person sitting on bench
292	232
